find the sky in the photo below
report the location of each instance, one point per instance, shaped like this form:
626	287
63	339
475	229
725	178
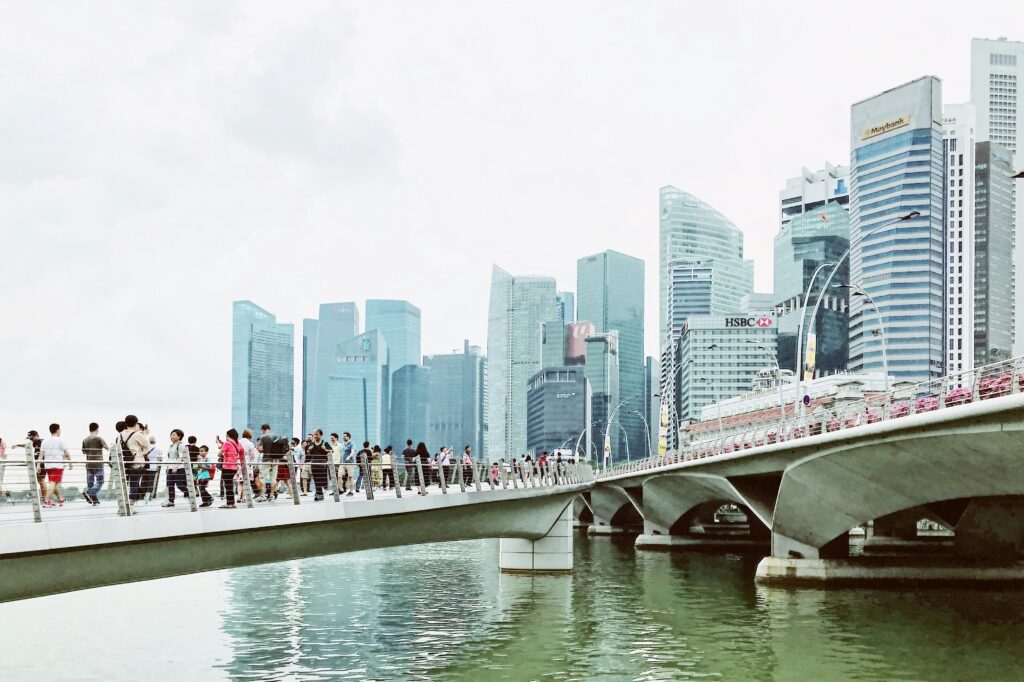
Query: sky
160	160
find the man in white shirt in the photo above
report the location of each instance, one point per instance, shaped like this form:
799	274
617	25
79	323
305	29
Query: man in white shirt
54	454
177	454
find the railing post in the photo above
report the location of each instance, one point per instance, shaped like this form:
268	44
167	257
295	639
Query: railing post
419	475
332	476
124	506
190	482
476	473
1014	378
367	466
248	481
394	476
293	473
33	483
516	476
442	478
461	470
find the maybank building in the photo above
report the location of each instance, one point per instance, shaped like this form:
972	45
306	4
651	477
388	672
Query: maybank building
896	167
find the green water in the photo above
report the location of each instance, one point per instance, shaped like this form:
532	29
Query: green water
444	612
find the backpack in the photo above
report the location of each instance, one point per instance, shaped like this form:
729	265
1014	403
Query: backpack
280	446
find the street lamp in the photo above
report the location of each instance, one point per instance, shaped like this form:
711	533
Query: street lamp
672	405
857	291
824	288
718	403
647	431
611	417
1019	175
625	437
576	450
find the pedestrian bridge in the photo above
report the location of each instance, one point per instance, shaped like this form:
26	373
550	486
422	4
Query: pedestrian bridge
52	550
950	451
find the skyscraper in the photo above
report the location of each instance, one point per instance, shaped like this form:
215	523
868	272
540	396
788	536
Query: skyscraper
994	273
337	323
897	167
458	400
813	189
958	138
610	293
811	239
410	406
262	369
309	334
553	344
399	322
518	308
602	371
997	92
565	303
558	410
355	387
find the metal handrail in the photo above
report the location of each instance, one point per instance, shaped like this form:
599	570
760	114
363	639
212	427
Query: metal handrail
961	388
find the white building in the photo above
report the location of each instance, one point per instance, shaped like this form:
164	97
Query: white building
958	132
812	190
997	78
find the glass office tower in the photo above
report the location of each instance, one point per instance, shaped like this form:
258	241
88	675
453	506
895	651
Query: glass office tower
805	242
994	274
355	389
399	322
337	323
518	308
610	294
262	369
458	400
410	406
896	167
309	332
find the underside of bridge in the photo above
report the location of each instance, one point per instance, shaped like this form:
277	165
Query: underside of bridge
934	501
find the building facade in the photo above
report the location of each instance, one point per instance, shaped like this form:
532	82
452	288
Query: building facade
336	324
720	356
610	294
811	190
558	411
409	417
997	92
356	388
262	369
309	335
565	303
897	167
400	323
807	241
995	242
458	400
958	138
603	370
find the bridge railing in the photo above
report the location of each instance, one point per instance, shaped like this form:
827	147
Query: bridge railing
128	488
994	380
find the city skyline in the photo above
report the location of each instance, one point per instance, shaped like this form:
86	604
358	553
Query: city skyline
370	195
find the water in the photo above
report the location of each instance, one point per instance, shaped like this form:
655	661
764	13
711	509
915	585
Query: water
444	612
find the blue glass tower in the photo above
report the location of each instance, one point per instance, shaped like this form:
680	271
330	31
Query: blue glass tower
337	323
399	322
897	166
410	406
262	369
355	388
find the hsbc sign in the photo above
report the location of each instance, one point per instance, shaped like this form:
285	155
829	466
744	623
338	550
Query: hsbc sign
748	322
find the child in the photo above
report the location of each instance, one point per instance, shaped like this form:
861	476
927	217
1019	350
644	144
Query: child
206	467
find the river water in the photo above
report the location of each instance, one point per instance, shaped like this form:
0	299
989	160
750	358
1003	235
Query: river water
444	612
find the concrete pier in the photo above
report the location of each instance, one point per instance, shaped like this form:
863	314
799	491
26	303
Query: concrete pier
906	571
710	543
549	554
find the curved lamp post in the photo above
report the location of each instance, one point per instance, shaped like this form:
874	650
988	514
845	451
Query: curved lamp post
824	288
608	427
778	375
647	431
858	291
718	403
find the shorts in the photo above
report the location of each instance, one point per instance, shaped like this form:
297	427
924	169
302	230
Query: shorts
268	470
55	475
282	473
307	471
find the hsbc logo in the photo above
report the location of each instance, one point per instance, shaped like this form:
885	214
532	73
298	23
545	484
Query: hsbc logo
748	322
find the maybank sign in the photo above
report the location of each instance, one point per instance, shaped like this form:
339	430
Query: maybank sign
883	128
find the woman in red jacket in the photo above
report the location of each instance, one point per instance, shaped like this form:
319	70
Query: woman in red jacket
231	452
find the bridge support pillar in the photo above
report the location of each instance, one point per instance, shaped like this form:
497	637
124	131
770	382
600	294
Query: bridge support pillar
549	554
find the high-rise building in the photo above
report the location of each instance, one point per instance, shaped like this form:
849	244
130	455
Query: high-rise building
997	92
652	403
813	189
897	167
804	243
337	323
355	387
756	302
262	369
603	371
553	343
565	302
519	306
558	411
994	239
410	407
958	137
610	293
721	355
399	322
576	335
458	400
309	334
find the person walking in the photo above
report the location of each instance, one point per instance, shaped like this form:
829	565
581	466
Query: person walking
231	457
178	457
364	458
318	455
302	468
206	466
376	473
336	461
93	446
467	466
350	465
424	456
154	456
387	473
251	468
134	446
270	460
409	460
54	453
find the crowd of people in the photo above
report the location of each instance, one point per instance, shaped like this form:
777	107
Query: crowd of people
264	467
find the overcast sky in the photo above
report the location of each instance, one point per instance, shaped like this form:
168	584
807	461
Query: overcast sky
161	160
